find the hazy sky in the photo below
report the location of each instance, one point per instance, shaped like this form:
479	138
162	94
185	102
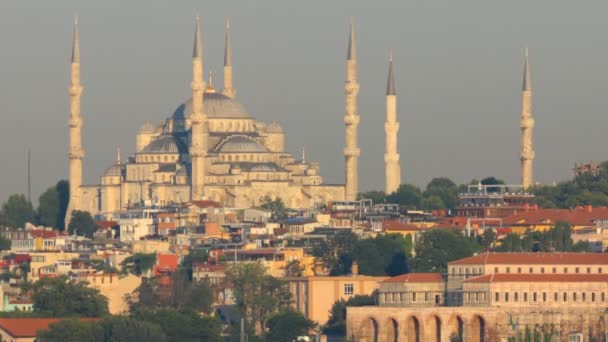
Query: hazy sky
458	70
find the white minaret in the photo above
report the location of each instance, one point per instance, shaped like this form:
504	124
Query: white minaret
198	147
351	120
75	150
391	128
526	125
228	85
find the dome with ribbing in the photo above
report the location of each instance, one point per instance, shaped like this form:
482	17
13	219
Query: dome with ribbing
240	144
215	106
113	170
165	144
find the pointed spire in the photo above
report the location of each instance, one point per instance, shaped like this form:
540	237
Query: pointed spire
227	48
527	83
390	86
76	43
118	155
304	154
352	50
197	51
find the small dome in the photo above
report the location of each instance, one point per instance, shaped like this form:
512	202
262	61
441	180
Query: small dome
164	144
148	127
274	127
239	143
113	170
215	105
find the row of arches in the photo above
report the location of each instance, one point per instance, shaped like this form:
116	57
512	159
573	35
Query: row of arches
431	329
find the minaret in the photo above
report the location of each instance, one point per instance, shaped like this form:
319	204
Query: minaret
228	86
75	150
198	148
351	120
391	128
526	124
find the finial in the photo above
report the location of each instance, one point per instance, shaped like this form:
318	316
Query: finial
304	154
227	48
210	78
352	50
76	42
390	85
118	155
197	52
390	55
527	82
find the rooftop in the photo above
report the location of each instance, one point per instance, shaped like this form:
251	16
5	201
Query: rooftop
535	259
537	278
416	278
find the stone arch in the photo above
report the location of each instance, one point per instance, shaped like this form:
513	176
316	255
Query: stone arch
455	327
391	331
412	329
477	329
433	329
370	330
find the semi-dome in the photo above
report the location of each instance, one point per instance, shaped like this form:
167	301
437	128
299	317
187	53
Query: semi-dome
215	106
164	144
239	144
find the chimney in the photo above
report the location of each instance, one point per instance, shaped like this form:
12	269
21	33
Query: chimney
355	268
589	208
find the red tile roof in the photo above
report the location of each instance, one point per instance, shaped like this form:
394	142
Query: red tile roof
45	234
535	259
206	204
106	224
27	327
579	216
415	278
396	225
537	278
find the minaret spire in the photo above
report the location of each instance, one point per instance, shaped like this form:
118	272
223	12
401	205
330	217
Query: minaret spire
351	120
526	125
118	155
228	82
198	119
75	150
391	128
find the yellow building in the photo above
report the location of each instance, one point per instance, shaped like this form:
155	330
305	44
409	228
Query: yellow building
314	296
43	259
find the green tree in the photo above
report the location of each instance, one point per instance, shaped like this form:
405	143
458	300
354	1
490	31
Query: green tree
257	294
63	192
196	256
186	326
336	254
382	255
126	329
71	330
510	243
440	193
407	195
336	324
59	297
17	210
293	268
435	248
278	210
375	195
48	207
492	181
287	326
487	239
5	244
82	223
139	263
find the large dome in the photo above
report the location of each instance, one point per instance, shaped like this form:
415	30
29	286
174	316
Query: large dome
216	106
239	144
164	144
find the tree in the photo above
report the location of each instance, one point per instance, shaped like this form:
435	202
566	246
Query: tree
63	193
278	210
186	326
486	239
382	255
492	181
257	294
288	325
59	297
196	256
293	268
435	248
407	195
374	195
336	254
48	207
82	223
17	210
71	330
139	263
336	324
440	193
5	244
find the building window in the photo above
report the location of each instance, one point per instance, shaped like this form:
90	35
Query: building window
565	269
603	296
599	270
544	296
426	296
588	269
555	297
554	269
593	296
519	270
534	296
413	296
506	296
565	296
349	289
531	270
574	296
584	296
576	270
495	269
525	296
515	296
508	269
542	270
497	297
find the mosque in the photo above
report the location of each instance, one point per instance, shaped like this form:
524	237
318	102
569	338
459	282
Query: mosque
210	148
